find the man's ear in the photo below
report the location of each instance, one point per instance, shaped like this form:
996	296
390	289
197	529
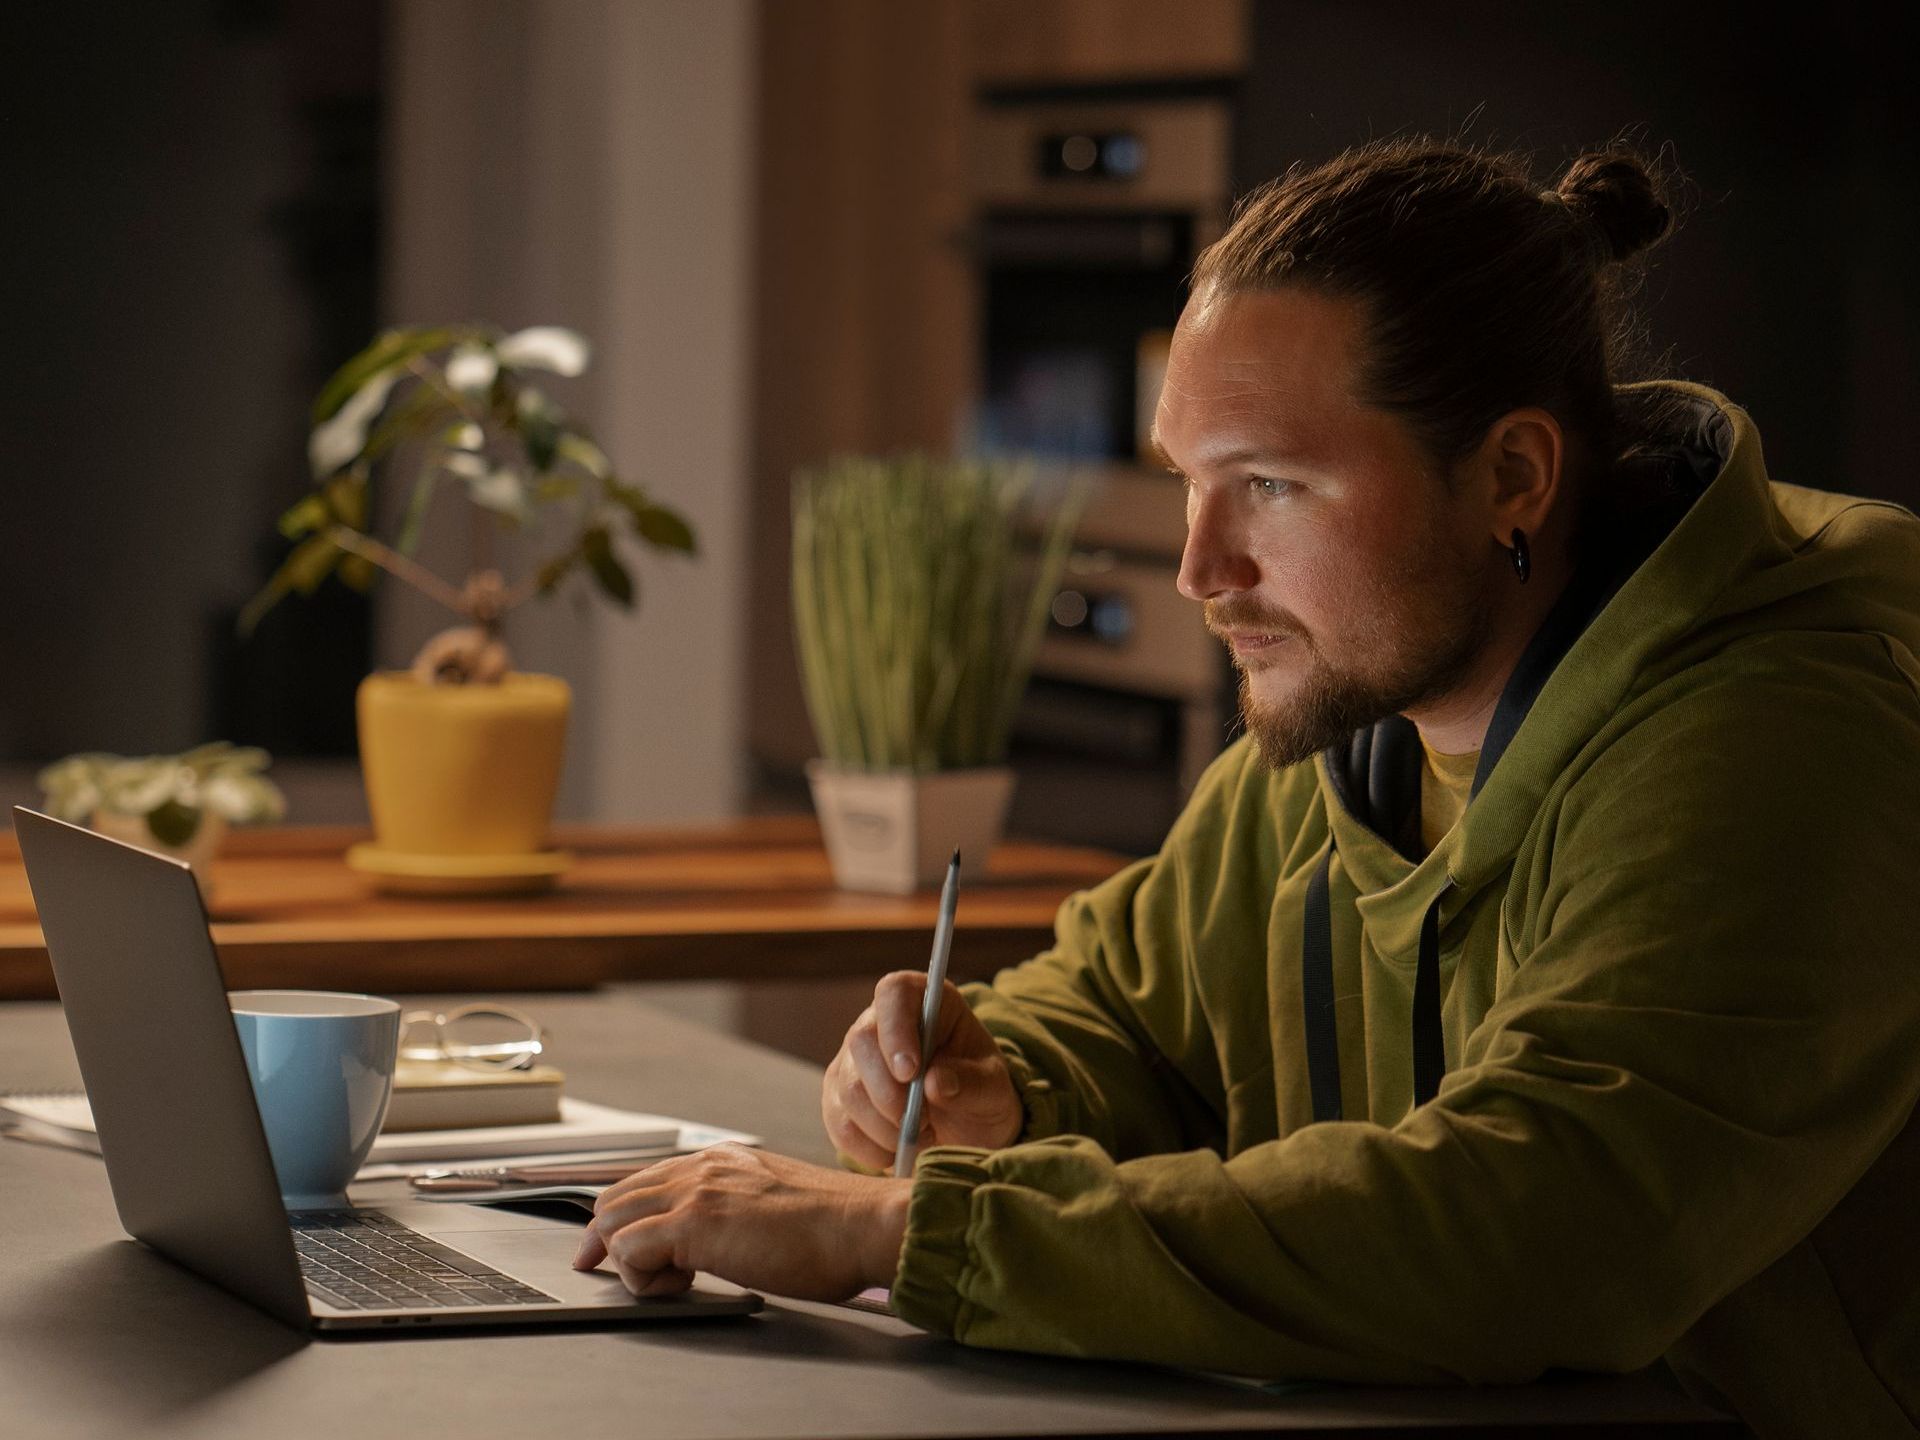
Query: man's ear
1524	458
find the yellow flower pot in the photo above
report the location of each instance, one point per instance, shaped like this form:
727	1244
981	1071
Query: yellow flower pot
460	781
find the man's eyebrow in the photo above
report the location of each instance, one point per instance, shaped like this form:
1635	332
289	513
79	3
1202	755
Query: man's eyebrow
1232	457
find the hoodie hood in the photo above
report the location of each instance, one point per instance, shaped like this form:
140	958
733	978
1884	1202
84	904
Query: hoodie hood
1696	550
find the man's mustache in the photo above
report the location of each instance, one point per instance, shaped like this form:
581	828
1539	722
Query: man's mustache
1222	618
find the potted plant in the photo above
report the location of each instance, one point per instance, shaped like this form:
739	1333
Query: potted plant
461	754
918	603
177	805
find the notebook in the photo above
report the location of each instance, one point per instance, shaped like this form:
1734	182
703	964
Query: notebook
583	1128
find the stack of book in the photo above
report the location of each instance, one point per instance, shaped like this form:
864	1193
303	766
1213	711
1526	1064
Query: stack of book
433	1095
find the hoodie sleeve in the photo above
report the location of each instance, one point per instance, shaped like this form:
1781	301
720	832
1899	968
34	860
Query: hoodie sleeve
1105	1033
1082	1056
1702	1038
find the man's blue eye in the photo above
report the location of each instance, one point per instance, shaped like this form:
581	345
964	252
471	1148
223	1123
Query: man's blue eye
1272	489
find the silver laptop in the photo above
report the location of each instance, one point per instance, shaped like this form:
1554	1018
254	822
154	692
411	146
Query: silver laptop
188	1161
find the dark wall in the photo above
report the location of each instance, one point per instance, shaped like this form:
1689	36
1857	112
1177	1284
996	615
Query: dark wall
189	249
1789	285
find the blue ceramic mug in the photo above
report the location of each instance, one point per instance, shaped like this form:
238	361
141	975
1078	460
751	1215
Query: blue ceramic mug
321	1063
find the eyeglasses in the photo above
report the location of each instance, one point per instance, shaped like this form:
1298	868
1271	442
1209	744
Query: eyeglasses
480	1036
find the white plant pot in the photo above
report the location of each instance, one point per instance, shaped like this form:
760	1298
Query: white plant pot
892	831
197	852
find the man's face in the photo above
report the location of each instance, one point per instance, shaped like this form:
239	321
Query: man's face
1347	580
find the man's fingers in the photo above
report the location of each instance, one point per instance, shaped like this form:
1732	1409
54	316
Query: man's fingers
637	1195
964	1085
592	1251
860	1139
861	1115
640	1179
896	1012
641	1250
620	1206
849	1141
943	1082
668	1280
887	1094
651	1284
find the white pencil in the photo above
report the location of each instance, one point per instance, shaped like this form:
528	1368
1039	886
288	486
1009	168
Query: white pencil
929	1012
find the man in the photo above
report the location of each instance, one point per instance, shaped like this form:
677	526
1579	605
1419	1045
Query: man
1532	987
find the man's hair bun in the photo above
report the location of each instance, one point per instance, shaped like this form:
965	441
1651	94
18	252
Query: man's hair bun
1614	192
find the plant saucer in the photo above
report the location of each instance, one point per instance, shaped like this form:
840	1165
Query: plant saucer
402	873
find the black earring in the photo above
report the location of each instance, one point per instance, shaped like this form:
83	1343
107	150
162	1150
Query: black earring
1522	557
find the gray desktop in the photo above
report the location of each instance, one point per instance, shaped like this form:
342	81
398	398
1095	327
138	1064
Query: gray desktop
100	1336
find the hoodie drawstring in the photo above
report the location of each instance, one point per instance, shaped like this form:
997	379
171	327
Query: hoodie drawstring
1316	989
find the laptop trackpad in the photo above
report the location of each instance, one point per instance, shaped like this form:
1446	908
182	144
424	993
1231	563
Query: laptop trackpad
540	1251
543	1258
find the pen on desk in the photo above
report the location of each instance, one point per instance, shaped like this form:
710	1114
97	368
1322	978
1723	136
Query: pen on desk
508	1176
929	1013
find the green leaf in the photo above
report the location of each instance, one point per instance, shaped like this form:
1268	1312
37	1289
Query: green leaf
243	798
173	823
556	487
583	452
311	562
357	573
597	548
420	411
555	570
657	525
416	517
307	515
664	528
394	347
346	496
203	758
269	595
539	427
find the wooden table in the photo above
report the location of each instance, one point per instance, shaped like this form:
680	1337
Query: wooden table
750	900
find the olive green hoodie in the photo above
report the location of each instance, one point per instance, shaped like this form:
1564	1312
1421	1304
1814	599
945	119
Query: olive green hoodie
1673	942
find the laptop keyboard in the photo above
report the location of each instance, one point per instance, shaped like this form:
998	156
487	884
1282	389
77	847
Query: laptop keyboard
364	1260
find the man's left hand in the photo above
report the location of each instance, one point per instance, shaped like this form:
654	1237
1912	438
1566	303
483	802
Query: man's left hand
763	1221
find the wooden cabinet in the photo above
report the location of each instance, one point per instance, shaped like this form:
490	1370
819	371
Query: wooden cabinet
1043	42
867	306
864	307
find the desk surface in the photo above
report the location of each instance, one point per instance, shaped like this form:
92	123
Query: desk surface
98	1336
749	900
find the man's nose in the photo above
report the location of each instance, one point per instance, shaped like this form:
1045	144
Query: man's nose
1215	561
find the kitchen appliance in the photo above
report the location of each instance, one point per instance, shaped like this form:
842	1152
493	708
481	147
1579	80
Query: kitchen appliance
1087	215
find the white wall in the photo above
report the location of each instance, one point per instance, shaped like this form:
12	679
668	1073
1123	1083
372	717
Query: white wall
588	163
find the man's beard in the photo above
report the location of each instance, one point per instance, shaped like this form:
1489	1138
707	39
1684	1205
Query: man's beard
1424	654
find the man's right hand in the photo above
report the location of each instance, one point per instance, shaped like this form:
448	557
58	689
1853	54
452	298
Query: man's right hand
970	1099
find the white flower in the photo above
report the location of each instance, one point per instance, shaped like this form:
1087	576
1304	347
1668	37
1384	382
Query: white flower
545	347
471	369
501	491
